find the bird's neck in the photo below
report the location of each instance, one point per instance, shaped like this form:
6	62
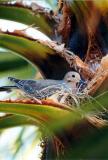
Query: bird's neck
73	87
72	84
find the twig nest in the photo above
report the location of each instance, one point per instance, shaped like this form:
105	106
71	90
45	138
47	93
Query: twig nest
99	83
104	62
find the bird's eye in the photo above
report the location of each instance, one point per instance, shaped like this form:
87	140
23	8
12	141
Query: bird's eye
73	75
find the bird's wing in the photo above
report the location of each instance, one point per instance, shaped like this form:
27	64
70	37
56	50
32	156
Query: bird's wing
37	84
41	84
50	90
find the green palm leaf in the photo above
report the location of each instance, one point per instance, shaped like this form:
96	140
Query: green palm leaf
11	64
41	115
10	121
92	145
40	55
47	114
18	14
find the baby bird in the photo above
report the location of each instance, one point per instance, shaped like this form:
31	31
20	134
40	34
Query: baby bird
42	89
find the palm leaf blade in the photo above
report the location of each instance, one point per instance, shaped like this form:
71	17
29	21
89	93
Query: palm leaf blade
18	14
40	55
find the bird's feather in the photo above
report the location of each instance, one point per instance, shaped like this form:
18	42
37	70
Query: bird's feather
8	88
41	89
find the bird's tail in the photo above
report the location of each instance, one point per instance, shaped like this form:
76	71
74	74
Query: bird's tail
7	88
12	79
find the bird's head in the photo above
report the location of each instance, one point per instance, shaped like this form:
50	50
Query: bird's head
72	77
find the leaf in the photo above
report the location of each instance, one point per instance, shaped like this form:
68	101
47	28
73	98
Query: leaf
11	64
97	104
39	113
8	64
93	146
14	121
47	115
24	72
49	62
18	14
55	119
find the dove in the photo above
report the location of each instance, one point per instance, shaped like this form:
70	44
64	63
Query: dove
44	88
